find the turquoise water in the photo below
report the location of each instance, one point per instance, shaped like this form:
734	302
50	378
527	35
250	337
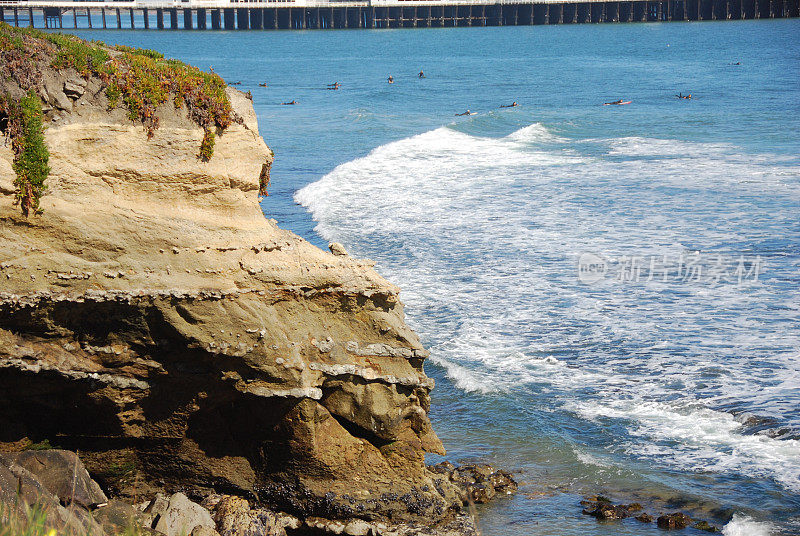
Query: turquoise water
680	390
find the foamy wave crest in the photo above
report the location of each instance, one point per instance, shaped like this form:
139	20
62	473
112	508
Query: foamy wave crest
483	235
742	525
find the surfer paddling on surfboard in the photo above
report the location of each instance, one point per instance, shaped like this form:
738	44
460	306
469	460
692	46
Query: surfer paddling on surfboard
616	103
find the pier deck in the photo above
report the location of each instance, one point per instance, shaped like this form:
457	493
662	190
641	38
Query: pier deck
322	14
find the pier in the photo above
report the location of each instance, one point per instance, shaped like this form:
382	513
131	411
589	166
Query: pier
340	14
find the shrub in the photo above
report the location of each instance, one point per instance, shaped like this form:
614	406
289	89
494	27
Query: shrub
207	145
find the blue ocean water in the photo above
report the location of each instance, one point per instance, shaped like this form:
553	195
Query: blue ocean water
668	371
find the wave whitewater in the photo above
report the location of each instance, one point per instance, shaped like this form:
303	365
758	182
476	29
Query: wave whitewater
483	235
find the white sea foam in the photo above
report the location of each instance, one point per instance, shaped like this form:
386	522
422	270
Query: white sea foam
742	525
483	235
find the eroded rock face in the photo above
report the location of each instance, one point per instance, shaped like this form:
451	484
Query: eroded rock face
154	319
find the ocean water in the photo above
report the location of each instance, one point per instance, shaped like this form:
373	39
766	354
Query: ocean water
611	294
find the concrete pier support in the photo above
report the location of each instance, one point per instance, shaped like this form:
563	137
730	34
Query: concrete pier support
229	18
215	19
160	19
256	19
202	19
242	18
187	19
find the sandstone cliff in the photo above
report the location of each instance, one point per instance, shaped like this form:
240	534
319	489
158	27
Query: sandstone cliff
154	319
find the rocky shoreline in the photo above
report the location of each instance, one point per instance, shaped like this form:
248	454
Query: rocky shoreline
152	318
56	484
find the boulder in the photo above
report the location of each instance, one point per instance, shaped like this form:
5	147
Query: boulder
21	491
234	517
337	249
62	473
74	88
357	527
182	517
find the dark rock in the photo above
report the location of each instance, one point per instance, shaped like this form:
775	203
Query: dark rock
633	507
606	511
471	473
503	482
644	518
443	468
481	493
676	520
477	482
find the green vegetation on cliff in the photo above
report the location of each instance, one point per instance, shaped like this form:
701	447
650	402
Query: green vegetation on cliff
24	127
137	79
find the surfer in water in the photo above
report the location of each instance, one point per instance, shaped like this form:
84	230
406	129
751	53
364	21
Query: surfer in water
512	105
289	103
390	79
335	85
465	113
617	102
682	96
421	74
262	84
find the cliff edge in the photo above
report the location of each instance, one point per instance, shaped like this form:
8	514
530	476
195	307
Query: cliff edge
152	318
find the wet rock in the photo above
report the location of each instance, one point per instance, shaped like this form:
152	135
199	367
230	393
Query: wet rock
478	482
443	468
676	520
607	511
503	482
644	518
634	507
471	473
706	526
481	493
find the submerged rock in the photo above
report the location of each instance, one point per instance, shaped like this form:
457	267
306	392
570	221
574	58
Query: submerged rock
706	526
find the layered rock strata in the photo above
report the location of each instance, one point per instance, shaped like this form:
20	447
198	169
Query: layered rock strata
153	319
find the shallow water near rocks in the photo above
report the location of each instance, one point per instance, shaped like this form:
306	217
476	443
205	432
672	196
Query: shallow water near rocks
679	390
